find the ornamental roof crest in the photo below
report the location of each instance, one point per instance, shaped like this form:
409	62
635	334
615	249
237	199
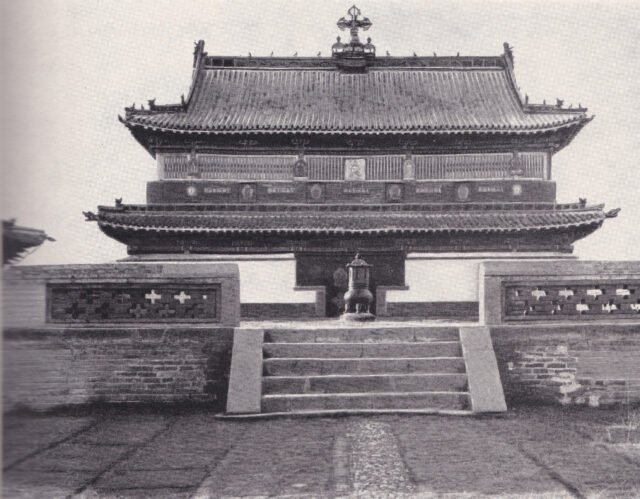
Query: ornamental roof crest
353	56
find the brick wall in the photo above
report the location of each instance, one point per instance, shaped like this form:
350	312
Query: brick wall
268	311
592	364
48	367
463	310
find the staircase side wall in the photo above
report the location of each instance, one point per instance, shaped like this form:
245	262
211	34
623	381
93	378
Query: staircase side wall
483	378
245	382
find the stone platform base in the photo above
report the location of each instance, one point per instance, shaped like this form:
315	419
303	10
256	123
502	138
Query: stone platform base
306	365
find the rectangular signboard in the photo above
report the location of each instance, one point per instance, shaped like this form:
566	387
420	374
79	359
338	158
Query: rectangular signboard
355	169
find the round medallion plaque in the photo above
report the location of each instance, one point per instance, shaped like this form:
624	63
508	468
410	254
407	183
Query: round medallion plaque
516	189
394	192
315	192
248	193
462	192
192	190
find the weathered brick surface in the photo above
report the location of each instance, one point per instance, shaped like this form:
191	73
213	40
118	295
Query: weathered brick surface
267	311
591	364
467	310
48	367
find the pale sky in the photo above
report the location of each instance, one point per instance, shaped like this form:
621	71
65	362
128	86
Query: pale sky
71	66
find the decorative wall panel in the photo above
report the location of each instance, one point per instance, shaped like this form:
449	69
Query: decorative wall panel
558	300
139	302
332	167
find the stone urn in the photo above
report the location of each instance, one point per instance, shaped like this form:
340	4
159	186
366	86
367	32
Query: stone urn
358	298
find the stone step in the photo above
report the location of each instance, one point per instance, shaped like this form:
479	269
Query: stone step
364	383
380	400
355	350
362	335
322	366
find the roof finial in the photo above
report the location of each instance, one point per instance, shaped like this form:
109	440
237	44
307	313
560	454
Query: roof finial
508	51
354	24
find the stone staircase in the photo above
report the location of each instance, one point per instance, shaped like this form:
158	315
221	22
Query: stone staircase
432	369
363	369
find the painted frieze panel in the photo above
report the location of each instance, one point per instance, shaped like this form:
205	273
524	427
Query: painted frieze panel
139	302
557	300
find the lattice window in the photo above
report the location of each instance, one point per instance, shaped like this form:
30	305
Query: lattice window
384	167
471	166
175	165
228	167
150	302
325	167
246	167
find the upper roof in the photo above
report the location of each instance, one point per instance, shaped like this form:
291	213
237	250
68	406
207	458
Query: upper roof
354	91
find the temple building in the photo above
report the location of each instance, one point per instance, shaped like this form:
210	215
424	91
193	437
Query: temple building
324	157
414	188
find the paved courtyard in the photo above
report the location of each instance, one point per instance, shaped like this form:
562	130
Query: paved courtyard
530	452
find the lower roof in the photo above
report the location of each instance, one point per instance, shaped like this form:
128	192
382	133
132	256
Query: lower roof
346	220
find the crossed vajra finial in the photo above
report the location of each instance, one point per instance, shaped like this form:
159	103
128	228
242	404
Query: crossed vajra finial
354	24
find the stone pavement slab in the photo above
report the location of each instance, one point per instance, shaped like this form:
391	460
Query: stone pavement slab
151	479
24	436
31	484
277	457
582	464
123	430
145	493
195	441
460	456
73	456
529	452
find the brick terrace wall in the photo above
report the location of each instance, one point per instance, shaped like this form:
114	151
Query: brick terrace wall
463	310
268	311
48	367
25	290
552	291
569	364
467	311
